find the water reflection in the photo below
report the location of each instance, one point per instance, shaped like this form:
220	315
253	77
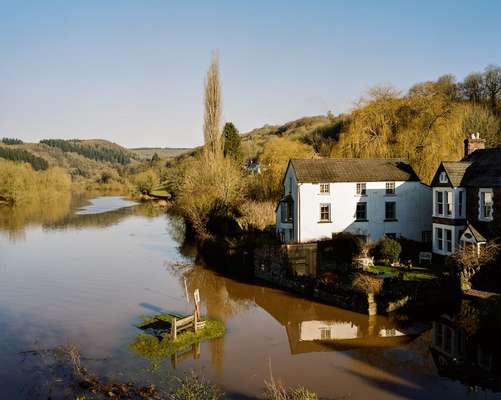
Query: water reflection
68	211
458	352
310	326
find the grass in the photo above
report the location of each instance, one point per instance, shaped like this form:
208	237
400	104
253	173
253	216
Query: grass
158	344
407	274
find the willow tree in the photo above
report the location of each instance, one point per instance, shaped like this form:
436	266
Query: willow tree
212	116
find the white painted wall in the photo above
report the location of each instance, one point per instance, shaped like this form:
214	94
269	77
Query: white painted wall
413	210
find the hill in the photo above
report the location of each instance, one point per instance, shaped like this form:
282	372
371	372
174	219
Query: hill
146	153
83	159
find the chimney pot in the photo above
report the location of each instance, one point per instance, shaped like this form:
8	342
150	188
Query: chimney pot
473	143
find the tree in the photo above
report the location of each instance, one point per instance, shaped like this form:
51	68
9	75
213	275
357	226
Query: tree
473	88
212	132
492	77
232	141
154	159
470	260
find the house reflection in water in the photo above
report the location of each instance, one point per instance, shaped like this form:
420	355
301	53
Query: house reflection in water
460	356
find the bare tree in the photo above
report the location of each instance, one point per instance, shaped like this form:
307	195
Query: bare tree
473	88
492	77
471	260
212	116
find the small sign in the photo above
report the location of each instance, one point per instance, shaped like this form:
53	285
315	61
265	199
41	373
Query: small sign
196	296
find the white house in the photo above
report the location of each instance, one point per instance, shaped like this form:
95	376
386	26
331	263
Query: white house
368	198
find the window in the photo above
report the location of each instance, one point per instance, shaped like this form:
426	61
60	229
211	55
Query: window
286	211
325	212
325	333
443	177
361	211
460	203
440	238
291	234
439	203
324	188
361	189
485	204
290	185
443	203
390	188
448	240
390	212
426	236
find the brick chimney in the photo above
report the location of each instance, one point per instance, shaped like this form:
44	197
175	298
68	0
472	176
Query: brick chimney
473	143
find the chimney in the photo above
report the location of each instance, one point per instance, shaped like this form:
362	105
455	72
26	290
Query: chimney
473	143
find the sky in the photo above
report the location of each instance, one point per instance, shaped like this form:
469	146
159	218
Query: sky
133	71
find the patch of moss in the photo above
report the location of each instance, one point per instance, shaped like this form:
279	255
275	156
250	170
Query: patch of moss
157	343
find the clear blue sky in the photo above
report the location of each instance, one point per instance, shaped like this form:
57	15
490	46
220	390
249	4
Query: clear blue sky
133	71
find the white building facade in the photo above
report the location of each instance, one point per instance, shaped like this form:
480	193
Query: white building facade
367	198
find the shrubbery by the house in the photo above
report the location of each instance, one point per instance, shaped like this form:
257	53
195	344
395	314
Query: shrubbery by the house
387	250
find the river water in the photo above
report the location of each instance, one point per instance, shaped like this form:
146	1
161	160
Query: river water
84	271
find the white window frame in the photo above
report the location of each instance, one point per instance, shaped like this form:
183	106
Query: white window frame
481	204
461	203
447	203
328	214
439	234
361	189
442	178
325	188
390	188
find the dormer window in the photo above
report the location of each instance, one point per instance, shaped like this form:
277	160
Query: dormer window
486	204
443	177
324	188
390	188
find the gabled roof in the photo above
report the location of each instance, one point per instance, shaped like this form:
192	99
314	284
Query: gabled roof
479	238
353	170
482	168
455	171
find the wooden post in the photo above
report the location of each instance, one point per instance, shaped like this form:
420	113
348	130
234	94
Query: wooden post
195	320
173	329
186	291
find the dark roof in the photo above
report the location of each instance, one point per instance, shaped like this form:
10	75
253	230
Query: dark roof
455	171
485	169
482	168
353	170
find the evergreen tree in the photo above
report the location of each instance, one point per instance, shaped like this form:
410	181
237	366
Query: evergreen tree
231	141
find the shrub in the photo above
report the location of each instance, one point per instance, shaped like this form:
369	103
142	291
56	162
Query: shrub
145	181
207	186
256	214
388	250
346	246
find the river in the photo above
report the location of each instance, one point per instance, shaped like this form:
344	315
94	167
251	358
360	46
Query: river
85	270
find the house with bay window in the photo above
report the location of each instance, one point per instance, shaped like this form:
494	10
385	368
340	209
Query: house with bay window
368	198
467	199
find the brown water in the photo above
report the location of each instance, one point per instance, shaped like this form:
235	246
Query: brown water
86	276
